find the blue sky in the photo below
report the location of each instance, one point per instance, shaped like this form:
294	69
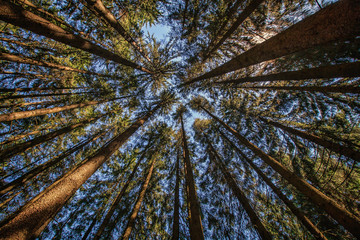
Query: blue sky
158	30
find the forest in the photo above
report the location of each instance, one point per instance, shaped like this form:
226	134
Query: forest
242	122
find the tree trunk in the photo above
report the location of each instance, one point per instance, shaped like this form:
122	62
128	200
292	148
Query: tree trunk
348	220
176	226
296	211
254	218
324	89
13	90
102	12
43	167
30	220
11	97
20	17
44	103
117	200
338	21
335	147
137	205
195	225
333	71
240	19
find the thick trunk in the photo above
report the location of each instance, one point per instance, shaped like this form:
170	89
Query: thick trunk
117	200
338	21
254	218
325	89
348	220
332	71
43	167
296	211
335	147
175	232
240	19
30	220
110	19
195	225
20	17
137	205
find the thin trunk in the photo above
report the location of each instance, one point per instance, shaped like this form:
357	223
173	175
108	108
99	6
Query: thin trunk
333	71
240	195
20	17
324	89
26	45
176	226
117	200
30	61
348	220
137	205
240	19
43	167
31	219
110	19
12	90
335	147
296	211
44	103
44	95
195	225
338	21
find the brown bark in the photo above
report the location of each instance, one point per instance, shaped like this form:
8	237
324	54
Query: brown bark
137	205
26	45
324	89
333	71
348	220
43	103
43	167
335	147
296	211
240	195
175	230
11	97
38	89
195	225
117	200
110	19
240	19
31	219
20	17
338	21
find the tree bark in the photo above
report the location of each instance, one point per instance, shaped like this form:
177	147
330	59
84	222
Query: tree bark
20	17
296	211
195	225
137	205
335	147
254	218
324	89
176	227
338	21
348	220
333	71
31	219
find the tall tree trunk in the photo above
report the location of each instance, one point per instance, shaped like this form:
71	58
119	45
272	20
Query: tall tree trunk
338	21
44	103
11	97
176	226
335	147
240	195
296	211
18	16
333	71
26	45
137	205
324	89
240	19
12	90
195	225
110	19
348	220
43	167
31	219
117	200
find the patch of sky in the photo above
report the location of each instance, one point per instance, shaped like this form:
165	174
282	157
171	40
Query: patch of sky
159	31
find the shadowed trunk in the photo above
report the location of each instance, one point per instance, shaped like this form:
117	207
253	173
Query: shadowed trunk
332	71
31	219
324	89
338	21
11	97
296	211
195	225
175	232
20	17
137	205
348	220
